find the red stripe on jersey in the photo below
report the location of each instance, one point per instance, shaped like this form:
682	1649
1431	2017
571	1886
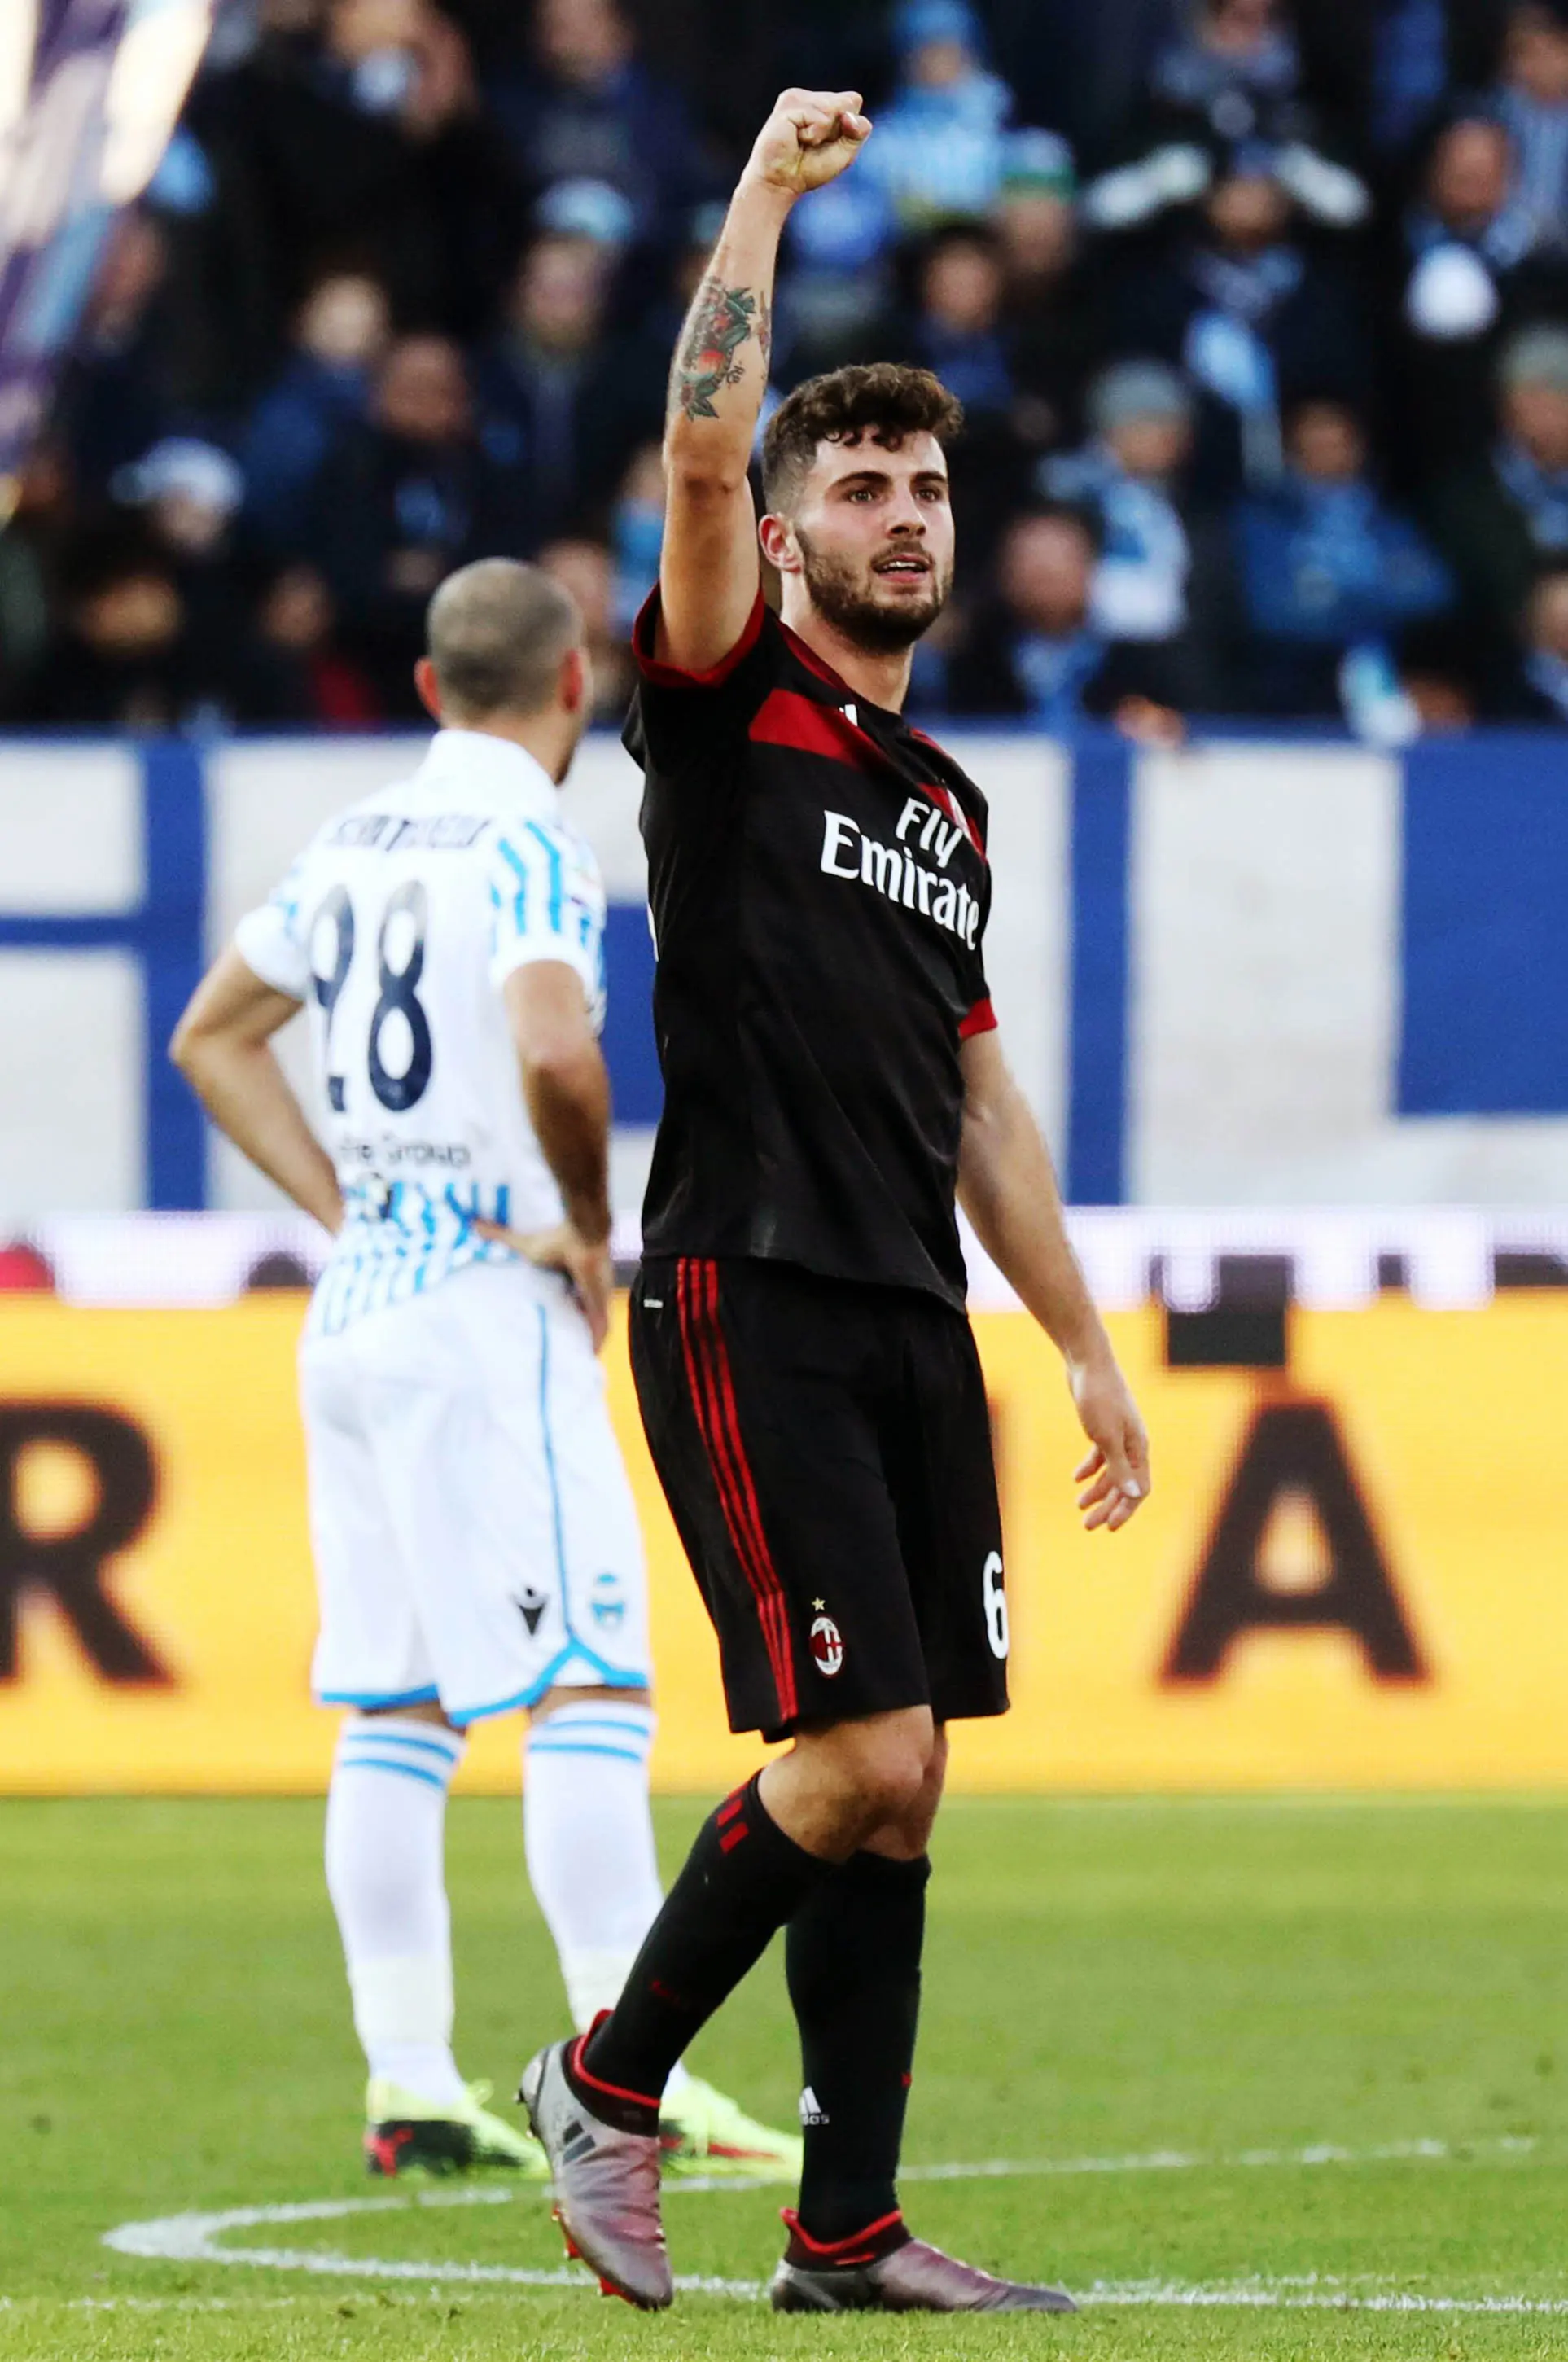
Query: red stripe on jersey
669	676
788	718
982	1019
949	803
703	1344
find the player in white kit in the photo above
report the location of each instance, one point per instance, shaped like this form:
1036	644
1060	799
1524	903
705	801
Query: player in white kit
476	1543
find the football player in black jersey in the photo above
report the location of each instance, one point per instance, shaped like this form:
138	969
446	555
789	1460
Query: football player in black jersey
834	1086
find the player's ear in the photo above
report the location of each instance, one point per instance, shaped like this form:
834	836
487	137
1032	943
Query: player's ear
425	681
574	681
777	535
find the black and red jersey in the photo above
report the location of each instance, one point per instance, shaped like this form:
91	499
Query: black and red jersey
819	886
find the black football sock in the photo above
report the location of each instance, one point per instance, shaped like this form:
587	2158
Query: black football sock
853	1959
744	1878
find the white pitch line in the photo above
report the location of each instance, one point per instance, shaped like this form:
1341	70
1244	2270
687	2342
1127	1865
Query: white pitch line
1164	2161
1321	2296
1241	2295
193	2238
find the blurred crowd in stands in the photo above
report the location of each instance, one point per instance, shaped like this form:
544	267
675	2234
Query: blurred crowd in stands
1259	315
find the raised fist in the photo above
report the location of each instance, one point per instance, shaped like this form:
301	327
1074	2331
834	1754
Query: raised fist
810	138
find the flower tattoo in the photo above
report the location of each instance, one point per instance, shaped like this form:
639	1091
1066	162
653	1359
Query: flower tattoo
723	320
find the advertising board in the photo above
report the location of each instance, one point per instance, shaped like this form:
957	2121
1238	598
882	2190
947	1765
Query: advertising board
1353	1572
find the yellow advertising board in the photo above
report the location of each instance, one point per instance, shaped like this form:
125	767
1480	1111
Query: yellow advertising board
1351	1574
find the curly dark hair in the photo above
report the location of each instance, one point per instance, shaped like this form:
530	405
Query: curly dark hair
881	399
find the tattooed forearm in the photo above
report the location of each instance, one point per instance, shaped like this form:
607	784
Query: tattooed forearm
722	320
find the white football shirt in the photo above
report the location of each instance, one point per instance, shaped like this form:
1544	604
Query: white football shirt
399	925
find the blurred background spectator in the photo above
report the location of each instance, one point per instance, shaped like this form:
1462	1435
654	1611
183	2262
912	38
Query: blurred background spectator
587	568
581	103
1532	104
1259	313
938	151
1329	575
339	336
1471	269
1252	312
122	657
404	496
1506	517
567	397
1131	478
1539	692
1036	652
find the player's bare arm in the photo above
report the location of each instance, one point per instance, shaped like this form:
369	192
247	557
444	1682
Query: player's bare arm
223	1046
710	571
567	1094
1008	1189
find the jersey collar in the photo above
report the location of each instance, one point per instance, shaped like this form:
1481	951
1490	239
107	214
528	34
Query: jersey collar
473	759
842	693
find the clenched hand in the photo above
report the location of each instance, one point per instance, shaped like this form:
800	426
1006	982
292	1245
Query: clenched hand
810	138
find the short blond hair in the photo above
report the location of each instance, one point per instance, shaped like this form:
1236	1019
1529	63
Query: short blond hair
495	634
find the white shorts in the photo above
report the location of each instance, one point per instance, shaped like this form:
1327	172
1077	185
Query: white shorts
476	1541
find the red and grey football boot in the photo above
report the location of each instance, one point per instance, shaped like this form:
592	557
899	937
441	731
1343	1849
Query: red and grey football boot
605	2179
882	2270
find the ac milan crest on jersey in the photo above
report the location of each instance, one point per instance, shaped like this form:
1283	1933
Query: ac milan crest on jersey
827	1645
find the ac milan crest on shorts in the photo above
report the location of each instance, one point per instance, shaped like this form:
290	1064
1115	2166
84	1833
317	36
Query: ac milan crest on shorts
827	1646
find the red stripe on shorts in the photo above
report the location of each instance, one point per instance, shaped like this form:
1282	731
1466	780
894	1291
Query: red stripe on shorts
777	1611
707	1376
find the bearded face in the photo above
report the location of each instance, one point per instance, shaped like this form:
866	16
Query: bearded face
867	535
883	601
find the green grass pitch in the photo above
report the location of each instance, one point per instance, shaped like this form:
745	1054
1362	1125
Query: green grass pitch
1148	1994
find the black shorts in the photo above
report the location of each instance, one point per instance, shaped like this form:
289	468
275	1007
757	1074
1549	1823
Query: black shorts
825	1451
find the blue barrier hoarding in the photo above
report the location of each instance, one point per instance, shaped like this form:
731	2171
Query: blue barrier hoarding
1243	975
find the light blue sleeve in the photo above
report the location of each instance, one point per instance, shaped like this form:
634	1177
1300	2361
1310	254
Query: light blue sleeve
547	902
274	941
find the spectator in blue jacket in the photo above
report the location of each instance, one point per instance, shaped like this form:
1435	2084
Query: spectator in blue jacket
1472	270
1254	311
339	337
958	330
1131	478
403	500
938	151
1330	574
566	400
586	106
1037	652
1229	87
1533	103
